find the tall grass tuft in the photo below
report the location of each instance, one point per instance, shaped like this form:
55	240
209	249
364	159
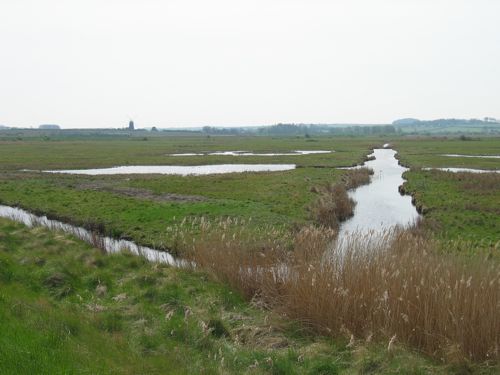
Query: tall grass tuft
357	177
395	287
333	204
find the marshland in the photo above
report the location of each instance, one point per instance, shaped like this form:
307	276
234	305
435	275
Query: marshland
357	260
249	187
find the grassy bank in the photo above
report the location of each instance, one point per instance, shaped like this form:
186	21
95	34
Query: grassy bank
457	207
67	308
463	206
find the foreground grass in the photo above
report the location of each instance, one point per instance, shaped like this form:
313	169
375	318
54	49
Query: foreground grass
67	308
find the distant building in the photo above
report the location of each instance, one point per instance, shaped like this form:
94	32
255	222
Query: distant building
49	127
131	125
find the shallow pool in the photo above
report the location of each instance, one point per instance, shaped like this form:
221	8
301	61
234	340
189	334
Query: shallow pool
182	170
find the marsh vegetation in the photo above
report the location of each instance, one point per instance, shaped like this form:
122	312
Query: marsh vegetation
262	251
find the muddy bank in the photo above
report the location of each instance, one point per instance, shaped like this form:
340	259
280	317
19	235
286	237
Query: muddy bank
421	208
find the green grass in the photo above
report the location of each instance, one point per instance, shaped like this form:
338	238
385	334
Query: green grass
278	198
65	308
427	152
53	319
78	153
453	210
464	206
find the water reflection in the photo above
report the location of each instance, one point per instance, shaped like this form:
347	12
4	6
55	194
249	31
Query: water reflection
246	153
467	170
197	170
472	156
380	206
108	244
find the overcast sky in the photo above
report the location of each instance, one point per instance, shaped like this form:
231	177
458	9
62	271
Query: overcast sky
95	63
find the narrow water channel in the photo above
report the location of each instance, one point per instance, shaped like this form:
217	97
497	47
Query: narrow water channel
110	245
379	205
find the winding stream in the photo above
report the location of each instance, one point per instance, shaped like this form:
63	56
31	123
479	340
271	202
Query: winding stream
380	207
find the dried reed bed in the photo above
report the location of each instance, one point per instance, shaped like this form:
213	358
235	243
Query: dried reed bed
394	288
357	177
333	204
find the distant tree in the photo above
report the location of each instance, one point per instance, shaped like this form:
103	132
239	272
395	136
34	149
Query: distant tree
49	127
154	129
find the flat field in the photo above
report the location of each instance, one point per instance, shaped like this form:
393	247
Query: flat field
142	207
463	206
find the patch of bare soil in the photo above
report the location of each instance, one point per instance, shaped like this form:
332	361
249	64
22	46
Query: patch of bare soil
139	193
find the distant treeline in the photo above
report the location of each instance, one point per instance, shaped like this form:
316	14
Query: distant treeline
488	121
404	126
407	126
303	130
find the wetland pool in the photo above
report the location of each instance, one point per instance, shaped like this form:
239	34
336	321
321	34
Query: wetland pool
183	170
460	170
247	153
